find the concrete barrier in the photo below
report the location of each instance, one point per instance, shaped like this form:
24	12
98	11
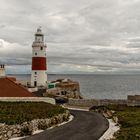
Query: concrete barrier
28	99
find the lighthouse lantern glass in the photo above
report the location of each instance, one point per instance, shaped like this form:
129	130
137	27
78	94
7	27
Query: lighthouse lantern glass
39	38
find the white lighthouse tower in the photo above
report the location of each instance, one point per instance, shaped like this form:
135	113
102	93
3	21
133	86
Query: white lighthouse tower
38	75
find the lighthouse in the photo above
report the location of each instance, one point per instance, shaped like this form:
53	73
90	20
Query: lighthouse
38	75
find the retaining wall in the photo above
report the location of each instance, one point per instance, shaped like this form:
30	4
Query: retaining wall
28	99
28	128
94	102
83	102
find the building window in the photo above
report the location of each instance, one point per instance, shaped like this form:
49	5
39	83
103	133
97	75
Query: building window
41	48
35	73
35	53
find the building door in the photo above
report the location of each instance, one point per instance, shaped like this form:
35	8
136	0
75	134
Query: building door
35	83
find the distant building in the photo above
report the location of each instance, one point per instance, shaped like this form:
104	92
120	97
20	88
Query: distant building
38	75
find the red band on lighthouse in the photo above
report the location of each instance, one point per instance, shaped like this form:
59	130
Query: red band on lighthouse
39	63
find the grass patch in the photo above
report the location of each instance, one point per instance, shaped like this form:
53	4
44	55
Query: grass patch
19	112
129	119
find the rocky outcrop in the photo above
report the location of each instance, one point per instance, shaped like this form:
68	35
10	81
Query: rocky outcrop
64	88
27	128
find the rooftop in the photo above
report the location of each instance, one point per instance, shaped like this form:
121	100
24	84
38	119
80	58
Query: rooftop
8	88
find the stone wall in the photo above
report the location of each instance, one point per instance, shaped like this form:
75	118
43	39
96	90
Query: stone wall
133	103
83	102
133	100
27	128
109	101
102	102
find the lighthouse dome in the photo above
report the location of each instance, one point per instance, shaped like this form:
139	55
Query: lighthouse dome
39	30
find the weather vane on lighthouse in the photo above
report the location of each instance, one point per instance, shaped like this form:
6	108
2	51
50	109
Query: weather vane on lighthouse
39	66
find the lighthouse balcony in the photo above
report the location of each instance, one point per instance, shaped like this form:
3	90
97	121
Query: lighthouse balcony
36	44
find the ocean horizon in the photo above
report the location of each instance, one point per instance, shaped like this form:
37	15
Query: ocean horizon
99	86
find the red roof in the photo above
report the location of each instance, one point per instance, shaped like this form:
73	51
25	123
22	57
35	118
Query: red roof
9	88
12	79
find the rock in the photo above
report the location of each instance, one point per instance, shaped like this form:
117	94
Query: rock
9	134
15	135
64	88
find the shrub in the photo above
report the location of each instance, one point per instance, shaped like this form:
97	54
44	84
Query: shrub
129	119
19	112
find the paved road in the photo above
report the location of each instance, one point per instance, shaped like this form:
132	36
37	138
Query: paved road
84	126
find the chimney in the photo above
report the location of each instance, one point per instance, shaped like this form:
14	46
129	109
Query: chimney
2	70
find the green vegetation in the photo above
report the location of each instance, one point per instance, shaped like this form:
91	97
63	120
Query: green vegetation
19	112
128	118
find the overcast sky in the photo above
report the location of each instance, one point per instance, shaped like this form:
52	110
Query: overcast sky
83	36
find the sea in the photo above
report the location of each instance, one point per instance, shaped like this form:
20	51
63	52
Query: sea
100	86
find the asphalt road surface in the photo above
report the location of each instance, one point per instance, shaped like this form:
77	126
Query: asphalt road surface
84	126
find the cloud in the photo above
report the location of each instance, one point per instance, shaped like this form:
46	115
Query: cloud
82	36
14	53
